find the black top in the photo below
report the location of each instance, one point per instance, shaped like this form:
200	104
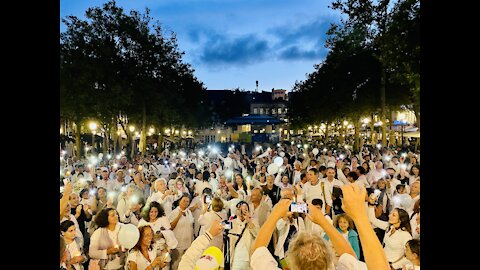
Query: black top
274	193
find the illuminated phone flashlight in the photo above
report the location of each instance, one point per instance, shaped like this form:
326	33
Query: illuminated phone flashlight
92	192
228	173
325	150
174	164
89	165
379	146
299	145
278	144
61	158
130	171
305	146
118	156
111	194
404	155
200	153
403	166
115	166
388	158
209	146
292	142
61	189
134	199
109	156
268	149
63	152
258	148
122	153
377	192
123	188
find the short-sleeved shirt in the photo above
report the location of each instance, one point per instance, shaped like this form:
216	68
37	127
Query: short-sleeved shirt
142	262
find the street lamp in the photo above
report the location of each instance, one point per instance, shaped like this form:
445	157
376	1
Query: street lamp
93	128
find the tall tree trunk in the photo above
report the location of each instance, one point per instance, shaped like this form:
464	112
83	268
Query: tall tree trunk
143	132
115	138
341	133
372	132
383	104
105	141
356	125
160	140
326	130
392	132
78	140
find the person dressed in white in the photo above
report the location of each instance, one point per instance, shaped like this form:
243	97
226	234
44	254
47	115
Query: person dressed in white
75	251
397	234
104	244
163	195
181	222
243	233
315	189
312	227
208	216
143	255
287	226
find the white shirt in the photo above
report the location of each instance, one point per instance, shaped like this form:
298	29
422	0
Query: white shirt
184	229
138	258
310	192
74	251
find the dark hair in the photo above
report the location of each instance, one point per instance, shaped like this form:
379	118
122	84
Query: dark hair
314	170
214	174
399	186
361	170
101	218
351	225
353	175
147	208
142	232
322	168
415	166
240	203
414	245
303	175
317	202
82	191
205	175
177	202
368	167
404	220
65	225
235	185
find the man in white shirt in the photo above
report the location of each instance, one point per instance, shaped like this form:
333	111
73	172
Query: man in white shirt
315	189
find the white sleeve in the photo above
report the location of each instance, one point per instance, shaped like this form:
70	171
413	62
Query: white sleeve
375	221
93	250
261	259
342	177
194	252
348	262
278	179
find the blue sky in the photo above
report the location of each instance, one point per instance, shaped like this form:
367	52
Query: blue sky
233	43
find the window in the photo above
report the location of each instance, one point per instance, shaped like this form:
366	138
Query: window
267	111
274	111
279	110
261	110
255	110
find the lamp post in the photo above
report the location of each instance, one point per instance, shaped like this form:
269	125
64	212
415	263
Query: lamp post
132	129
93	128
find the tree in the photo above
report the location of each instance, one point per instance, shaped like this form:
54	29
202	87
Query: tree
126	64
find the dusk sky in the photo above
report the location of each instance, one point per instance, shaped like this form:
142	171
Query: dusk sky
233	43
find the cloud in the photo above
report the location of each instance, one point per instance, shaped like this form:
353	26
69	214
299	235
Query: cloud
310	31
243	50
296	53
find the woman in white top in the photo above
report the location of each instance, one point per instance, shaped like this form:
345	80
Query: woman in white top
143	256
104	244
207	217
181	222
75	256
154	215
397	234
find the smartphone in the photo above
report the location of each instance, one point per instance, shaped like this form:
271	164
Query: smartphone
208	199
298	207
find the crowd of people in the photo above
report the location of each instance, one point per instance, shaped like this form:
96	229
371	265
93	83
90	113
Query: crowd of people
285	206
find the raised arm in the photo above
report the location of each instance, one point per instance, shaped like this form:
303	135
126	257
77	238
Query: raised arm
354	206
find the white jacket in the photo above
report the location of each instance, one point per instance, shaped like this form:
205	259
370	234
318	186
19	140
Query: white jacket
194	252
283	227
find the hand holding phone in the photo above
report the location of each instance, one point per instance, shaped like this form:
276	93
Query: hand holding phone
298	207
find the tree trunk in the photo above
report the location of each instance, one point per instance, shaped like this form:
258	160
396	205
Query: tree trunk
392	132
78	140
356	125
383	104
326	130
143	131
160	140
105	142
372	133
